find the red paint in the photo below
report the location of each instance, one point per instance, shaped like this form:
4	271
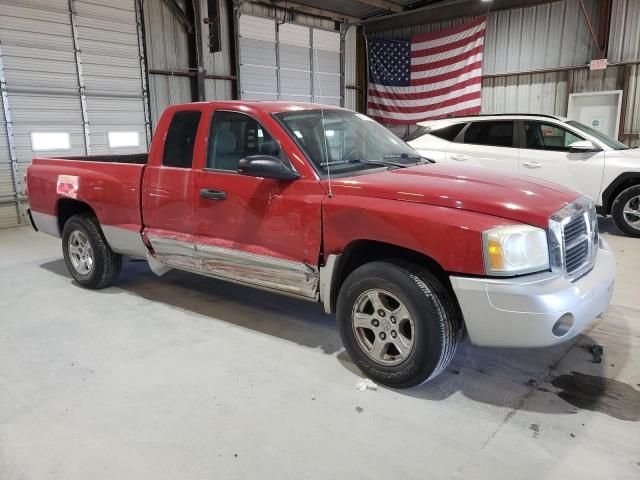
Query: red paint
438	210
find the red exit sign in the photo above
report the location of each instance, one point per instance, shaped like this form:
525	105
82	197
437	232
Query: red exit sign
599	64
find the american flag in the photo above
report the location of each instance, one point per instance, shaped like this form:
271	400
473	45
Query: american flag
434	75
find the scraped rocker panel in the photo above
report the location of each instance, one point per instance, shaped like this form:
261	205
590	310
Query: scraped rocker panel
262	271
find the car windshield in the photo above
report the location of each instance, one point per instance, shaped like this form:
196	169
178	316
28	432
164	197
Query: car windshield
341	141
606	139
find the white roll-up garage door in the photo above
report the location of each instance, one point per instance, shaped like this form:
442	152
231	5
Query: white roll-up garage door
288	62
67	91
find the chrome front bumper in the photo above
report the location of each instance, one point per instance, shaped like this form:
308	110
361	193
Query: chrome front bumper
522	311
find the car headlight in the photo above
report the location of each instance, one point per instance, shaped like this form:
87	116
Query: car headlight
515	250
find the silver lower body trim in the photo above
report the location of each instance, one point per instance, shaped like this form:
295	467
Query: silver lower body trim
326	281
125	241
46	223
522	312
269	273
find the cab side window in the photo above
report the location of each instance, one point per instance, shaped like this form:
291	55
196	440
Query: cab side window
493	133
181	138
548	136
234	136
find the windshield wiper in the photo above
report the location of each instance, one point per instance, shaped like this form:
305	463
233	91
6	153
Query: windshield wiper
408	156
382	163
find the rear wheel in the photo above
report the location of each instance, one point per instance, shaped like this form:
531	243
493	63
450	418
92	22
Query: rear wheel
398	322
89	259
626	211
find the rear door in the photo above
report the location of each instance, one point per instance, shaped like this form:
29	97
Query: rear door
546	154
168	191
257	231
486	143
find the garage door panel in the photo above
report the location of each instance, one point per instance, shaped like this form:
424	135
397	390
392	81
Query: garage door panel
259	80
326	62
255	52
116	11
326	85
294	57
295	82
8	215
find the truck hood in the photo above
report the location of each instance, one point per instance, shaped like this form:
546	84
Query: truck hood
465	188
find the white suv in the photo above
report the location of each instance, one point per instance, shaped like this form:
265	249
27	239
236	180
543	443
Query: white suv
546	147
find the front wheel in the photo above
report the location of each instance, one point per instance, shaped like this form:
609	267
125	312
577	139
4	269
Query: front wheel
89	259
626	211
398	323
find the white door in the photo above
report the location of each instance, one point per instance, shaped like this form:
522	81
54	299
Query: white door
599	110
546	155
488	143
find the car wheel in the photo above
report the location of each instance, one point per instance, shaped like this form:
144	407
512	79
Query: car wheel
626	211
398	322
89	259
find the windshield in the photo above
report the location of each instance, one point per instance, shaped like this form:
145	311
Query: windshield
606	139
349	142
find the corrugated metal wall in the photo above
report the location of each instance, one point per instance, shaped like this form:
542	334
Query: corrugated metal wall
624	40
631	117
167	49
548	35
218	63
350	68
545	92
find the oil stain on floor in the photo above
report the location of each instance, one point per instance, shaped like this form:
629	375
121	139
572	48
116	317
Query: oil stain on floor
599	394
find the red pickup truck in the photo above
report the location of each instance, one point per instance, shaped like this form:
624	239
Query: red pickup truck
327	205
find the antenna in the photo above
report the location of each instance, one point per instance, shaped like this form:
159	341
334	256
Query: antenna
324	128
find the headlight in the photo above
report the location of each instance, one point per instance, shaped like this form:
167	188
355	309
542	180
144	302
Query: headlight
515	250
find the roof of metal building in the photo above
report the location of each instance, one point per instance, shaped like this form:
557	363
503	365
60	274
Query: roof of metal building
362	9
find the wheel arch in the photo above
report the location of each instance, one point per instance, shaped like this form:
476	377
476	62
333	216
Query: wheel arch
359	252
615	188
68	207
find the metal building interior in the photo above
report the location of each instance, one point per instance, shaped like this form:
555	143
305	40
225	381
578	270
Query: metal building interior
172	377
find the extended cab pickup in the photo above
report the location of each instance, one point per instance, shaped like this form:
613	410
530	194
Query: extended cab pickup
327	205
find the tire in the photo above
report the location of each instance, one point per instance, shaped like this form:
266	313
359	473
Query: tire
432	314
627	199
83	232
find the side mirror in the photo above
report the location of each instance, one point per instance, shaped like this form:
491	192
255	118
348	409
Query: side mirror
583	146
266	166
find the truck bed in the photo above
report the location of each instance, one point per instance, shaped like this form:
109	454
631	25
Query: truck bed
137	158
109	184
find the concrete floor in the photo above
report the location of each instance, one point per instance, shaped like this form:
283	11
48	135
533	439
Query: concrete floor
182	377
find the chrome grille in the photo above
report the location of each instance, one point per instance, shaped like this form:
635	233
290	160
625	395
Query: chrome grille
574	238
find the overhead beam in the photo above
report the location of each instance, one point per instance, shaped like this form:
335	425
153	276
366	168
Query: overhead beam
383	4
317	12
180	14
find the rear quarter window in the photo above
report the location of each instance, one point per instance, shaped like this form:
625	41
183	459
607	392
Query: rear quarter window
181	139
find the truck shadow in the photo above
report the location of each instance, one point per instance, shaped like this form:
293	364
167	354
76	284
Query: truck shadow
511	378
606	225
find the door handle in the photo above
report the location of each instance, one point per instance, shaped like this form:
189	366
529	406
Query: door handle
213	194
459	158
532	164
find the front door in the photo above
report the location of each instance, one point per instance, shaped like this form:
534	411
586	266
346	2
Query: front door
256	231
546	155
